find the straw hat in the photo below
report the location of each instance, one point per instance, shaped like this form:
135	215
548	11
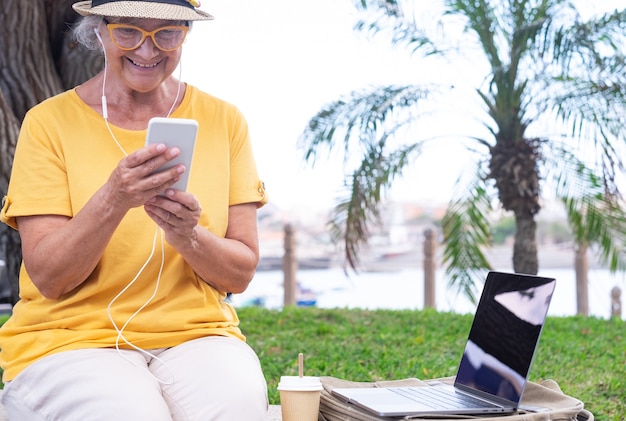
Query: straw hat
147	9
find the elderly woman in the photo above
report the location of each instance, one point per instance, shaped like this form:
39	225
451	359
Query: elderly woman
122	313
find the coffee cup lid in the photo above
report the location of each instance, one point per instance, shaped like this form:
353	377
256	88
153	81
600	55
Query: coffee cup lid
297	383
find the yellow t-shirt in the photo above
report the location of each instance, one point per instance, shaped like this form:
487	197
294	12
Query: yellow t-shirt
64	154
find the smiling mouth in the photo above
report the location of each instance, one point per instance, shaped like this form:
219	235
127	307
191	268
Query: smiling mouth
144	66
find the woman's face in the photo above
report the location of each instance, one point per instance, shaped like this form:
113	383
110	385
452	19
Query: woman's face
143	68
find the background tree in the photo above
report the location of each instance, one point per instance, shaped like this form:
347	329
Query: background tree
38	59
549	105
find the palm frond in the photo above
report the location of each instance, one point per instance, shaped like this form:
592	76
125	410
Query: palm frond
362	117
601	222
595	216
390	16
360	209
591	76
466	231
480	19
595	113
588	44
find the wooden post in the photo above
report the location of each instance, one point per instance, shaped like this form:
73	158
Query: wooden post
581	266
430	266
616	303
290	266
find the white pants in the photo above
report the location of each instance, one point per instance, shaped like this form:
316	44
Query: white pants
213	378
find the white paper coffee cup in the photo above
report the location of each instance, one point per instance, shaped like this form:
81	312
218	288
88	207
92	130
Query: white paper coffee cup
300	398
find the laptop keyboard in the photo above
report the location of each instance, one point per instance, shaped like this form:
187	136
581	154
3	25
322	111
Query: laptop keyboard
439	398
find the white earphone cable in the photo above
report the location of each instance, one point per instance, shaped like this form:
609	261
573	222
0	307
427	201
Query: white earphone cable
120	331
105	112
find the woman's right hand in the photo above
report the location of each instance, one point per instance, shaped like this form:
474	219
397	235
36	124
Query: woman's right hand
134	181
60	252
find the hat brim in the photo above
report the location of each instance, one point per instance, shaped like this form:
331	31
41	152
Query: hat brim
141	10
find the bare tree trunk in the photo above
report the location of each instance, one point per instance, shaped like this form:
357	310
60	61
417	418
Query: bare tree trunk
28	77
582	281
9	128
10	244
37	60
28	72
525	259
514	168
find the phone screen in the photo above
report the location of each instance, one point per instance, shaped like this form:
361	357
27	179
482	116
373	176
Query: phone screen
178	132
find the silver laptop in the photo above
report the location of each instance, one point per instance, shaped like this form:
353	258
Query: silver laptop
493	371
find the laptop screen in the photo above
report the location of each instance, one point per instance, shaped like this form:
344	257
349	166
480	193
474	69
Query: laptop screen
504	335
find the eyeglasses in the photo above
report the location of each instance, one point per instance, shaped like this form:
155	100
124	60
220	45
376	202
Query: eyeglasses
129	37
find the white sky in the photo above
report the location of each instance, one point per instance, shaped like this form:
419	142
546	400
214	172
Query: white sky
280	61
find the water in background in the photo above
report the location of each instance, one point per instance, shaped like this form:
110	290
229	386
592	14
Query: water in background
404	290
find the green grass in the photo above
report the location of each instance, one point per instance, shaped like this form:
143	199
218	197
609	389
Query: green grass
586	356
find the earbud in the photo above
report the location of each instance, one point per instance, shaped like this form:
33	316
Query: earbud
98	36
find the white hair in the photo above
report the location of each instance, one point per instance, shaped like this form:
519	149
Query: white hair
84	32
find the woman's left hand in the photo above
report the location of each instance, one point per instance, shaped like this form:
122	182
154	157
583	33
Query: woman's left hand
226	263
177	213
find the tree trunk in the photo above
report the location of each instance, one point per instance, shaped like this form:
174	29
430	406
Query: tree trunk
9	128
525	259
582	281
37	60
28	72
28	77
10	245
514	168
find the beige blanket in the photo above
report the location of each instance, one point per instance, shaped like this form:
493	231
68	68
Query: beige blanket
548	394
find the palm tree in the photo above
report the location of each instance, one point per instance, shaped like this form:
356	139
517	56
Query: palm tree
551	109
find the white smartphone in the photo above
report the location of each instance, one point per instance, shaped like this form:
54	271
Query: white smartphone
178	132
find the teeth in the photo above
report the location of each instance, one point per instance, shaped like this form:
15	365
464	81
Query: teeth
147	66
